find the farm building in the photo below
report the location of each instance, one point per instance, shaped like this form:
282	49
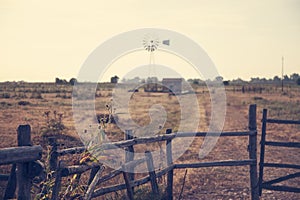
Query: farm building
172	84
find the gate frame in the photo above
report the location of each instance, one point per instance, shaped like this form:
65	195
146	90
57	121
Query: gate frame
269	184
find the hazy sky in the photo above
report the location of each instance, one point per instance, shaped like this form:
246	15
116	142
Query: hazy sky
41	40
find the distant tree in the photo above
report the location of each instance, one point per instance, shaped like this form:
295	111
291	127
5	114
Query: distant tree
238	81
57	81
226	83
60	81
152	80
219	78
294	77
195	81
276	79
73	81
286	78
114	79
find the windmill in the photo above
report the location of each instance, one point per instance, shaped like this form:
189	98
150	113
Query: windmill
151	43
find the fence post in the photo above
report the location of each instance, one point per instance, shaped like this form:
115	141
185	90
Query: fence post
169	162
57	182
262	150
23	181
53	153
253	152
93	184
93	172
128	186
151	170
11	184
129	155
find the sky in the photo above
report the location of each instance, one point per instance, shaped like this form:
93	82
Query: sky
41	40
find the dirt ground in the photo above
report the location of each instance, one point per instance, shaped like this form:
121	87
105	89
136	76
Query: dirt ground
202	183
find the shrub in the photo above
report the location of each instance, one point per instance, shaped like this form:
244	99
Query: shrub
54	124
23	103
73	81
5	95
20	96
36	95
5	104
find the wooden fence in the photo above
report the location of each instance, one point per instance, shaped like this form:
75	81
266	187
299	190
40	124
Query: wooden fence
25	165
269	185
130	182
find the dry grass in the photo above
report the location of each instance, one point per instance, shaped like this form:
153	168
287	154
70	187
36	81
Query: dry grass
205	183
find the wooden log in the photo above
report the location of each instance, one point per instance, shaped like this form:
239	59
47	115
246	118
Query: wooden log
53	153
129	156
57	182
114	188
93	184
120	169
106	190
23	182
109	176
76	169
151	139
253	153
136	183
20	154
216	164
223	134
93	173
74	150
11	184
165	171
169	189
152	174
128	186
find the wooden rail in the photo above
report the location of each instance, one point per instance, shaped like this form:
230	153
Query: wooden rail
23	154
152	139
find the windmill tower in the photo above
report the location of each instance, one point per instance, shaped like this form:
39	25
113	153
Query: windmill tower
151	43
282	62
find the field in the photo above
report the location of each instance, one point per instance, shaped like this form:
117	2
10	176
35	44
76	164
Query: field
27	103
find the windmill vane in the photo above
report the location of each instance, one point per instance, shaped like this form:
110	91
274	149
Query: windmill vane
166	42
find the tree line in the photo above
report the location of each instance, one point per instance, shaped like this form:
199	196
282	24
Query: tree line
292	79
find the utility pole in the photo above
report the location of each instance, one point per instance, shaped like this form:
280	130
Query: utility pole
282	61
